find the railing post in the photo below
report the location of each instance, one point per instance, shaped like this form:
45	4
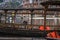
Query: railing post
5	15
45	10
31	17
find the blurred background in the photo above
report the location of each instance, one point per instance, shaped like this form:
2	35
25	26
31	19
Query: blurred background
52	17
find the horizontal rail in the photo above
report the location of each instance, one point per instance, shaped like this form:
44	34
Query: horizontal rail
6	24
32	9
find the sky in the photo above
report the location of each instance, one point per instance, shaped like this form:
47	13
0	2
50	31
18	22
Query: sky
30	1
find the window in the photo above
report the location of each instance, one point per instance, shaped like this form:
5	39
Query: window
2	18
9	18
38	20
50	22
22	17
18	18
53	21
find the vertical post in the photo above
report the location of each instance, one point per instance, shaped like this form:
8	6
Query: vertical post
0	17
5	15
45	10
13	17
31	16
38	3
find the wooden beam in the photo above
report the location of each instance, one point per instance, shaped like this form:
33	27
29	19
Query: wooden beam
49	9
